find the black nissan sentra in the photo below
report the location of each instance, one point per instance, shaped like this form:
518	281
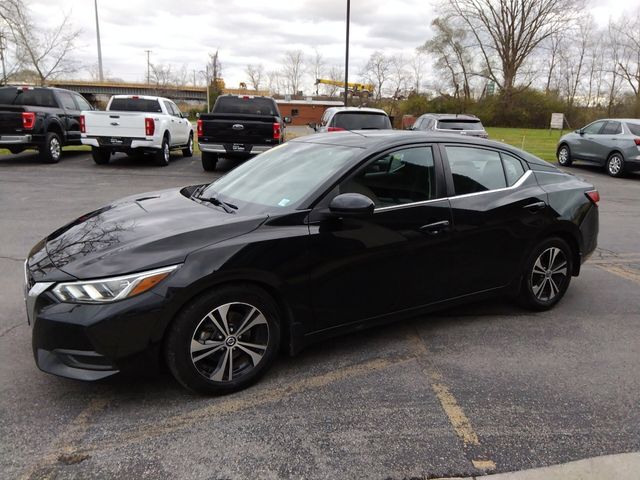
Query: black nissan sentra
320	236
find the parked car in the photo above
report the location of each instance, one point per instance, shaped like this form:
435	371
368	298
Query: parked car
137	123
45	119
463	124
336	119
323	235
613	143
239	126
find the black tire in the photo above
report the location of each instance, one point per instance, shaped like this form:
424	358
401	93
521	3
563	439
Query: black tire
101	155
541	288
188	151
51	151
564	156
615	165
161	157
209	161
195	367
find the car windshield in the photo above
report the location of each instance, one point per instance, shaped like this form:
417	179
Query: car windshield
135	105
281	178
361	121
460	125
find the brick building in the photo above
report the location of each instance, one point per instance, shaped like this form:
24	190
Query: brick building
304	111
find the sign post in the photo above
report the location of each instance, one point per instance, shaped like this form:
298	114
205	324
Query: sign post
557	122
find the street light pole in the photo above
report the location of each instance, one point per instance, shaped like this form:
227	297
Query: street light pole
346	58
99	47
148	67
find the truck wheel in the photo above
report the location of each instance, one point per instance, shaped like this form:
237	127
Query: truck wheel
162	156
51	151
188	152
209	161
100	155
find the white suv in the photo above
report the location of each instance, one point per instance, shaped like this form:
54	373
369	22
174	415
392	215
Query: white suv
352	118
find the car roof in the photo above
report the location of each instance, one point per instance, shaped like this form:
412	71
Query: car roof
374	139
143	97
357	109
441	116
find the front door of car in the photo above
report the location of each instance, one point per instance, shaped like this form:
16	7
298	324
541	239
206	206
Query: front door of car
363	268
498	210
588	143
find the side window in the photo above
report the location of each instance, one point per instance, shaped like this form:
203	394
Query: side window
82	103
475	169
67	101
169	108
325	118
418	124
612	128
176	110
513	168
593	128
403	176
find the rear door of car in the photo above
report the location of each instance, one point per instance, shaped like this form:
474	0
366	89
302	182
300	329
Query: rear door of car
611	138
71	115
497	209
394	260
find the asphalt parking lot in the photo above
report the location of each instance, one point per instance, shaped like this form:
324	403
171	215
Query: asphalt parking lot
488	387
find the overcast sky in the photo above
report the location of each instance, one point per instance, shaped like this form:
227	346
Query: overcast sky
249	31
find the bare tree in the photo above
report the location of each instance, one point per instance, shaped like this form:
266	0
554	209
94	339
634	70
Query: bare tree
212	69
318	66
629	61
377	71
276	82
292	70
335	74
552	47
572	59
255	74
45	51
400	78
417	65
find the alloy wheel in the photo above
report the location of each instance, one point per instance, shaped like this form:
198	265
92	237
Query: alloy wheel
229	342
166	152
54	148
549	274
614	165
563	156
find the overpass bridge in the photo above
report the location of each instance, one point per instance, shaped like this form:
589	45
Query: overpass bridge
102	91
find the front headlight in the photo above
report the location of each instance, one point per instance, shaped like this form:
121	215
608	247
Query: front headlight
110	289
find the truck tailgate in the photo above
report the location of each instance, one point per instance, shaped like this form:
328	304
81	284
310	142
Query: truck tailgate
10	119
115	124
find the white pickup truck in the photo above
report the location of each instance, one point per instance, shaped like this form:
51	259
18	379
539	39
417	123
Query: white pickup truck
133	123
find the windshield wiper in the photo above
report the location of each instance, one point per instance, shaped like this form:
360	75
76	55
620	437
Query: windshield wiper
227	207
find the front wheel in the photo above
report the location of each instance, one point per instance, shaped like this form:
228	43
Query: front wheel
209	161
100	155
564	156
51	151
615	165
188	151
547	274
224	340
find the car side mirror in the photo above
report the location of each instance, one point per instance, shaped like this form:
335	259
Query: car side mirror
313	125
352	205
580	131
287	119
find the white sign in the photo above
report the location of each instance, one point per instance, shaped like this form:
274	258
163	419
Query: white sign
557	121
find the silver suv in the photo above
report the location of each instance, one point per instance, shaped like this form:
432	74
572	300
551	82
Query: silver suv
461	123
612	143
352	118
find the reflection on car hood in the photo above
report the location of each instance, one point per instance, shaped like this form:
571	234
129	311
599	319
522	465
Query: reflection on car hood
141	232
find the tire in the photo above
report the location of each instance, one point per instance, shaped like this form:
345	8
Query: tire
564	156
161	157
541	288
230	362
209	161
100	155
615	165
51	151
188	151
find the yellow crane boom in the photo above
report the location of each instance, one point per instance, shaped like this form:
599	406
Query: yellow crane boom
356	88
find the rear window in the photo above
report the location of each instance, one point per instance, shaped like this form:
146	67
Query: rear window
135	105
35	97
634	128
361	121
460	125
245	106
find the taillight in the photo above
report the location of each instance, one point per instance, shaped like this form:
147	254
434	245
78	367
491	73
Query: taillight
149	127
637	140
83	128
199	128
335	129
594	196
28	120
276	131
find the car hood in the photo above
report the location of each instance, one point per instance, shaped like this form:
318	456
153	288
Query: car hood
142	232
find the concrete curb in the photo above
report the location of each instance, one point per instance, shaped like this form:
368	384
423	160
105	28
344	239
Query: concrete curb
624	466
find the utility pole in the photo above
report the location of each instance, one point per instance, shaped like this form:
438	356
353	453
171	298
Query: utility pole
100	72
194	78
3	46
148	67
346	58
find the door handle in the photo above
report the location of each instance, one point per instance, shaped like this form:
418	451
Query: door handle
435	228
535	207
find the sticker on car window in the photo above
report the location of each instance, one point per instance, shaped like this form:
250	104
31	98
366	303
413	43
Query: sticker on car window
284	202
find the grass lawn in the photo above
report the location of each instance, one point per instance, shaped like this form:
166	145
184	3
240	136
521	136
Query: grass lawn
540	143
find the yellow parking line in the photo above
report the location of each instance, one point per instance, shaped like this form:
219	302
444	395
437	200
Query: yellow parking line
624	272
458	419
484	464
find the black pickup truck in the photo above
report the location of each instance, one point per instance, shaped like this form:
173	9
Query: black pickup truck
239	126
45	119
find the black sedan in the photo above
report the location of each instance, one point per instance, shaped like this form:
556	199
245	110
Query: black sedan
325	234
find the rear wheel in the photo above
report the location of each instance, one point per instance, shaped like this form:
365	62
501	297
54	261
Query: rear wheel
224	340
547	274
188	151
162	156
100	155
51	151
564	156
615	165
209	161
